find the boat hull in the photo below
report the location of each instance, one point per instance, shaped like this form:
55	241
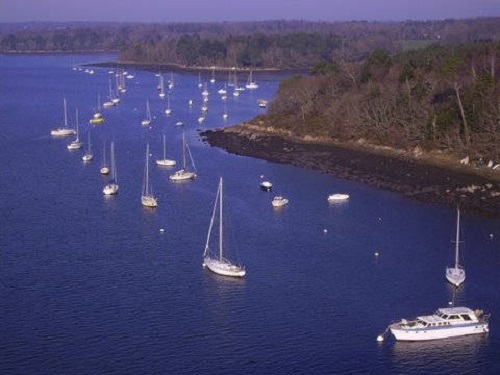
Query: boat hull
148	201
110	189
182	175
223	268
62	132
456	276
166	162
426	334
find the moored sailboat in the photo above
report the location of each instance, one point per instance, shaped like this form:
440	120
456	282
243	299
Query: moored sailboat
88	156
165	162
147	198
112	187
217	263
65	130
148	119
184	173
76	144
456	274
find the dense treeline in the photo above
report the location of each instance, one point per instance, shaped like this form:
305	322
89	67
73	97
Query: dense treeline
267	44
438	98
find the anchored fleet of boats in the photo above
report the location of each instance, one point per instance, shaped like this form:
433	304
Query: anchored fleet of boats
443	323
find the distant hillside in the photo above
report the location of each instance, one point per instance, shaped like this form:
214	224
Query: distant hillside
268	44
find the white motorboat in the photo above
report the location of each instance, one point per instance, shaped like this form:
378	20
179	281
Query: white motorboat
266	185
444	323
216	262
279	201
456	274
262	103
338	197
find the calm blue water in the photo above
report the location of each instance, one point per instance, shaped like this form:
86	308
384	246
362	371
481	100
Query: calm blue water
91	285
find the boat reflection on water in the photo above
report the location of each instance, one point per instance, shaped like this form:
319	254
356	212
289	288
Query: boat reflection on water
466	352
457	294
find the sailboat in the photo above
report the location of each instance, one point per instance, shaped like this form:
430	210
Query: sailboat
162	87
88	156
251	84
104	166
97	117
216	262
147	198
225	114
456	274
147	120
212	78
65	130
112	187
168	111
200	85
76	144
110	102
165	162
171	82
184	173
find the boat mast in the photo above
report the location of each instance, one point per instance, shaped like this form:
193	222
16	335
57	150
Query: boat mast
65	114
220	219
147	171
113	167
183	150
164	148
457	238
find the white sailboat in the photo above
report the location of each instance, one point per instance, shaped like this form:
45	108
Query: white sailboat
212	78
225	115
168	111
76	144
110	103
65	130
251	84
184	173
165	162
88	156
112	187
148	119
147	198
456	274
200	85
216	262
97	117
104	167
162	87
171	82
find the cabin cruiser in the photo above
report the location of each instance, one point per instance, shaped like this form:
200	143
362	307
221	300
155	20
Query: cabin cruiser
266	185
444	323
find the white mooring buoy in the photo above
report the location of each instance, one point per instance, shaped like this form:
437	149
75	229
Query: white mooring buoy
380	338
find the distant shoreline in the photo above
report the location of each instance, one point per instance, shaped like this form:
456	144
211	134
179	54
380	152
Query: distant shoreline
219	70
427	178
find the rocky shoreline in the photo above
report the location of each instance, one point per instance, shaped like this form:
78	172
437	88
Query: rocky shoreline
476	191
